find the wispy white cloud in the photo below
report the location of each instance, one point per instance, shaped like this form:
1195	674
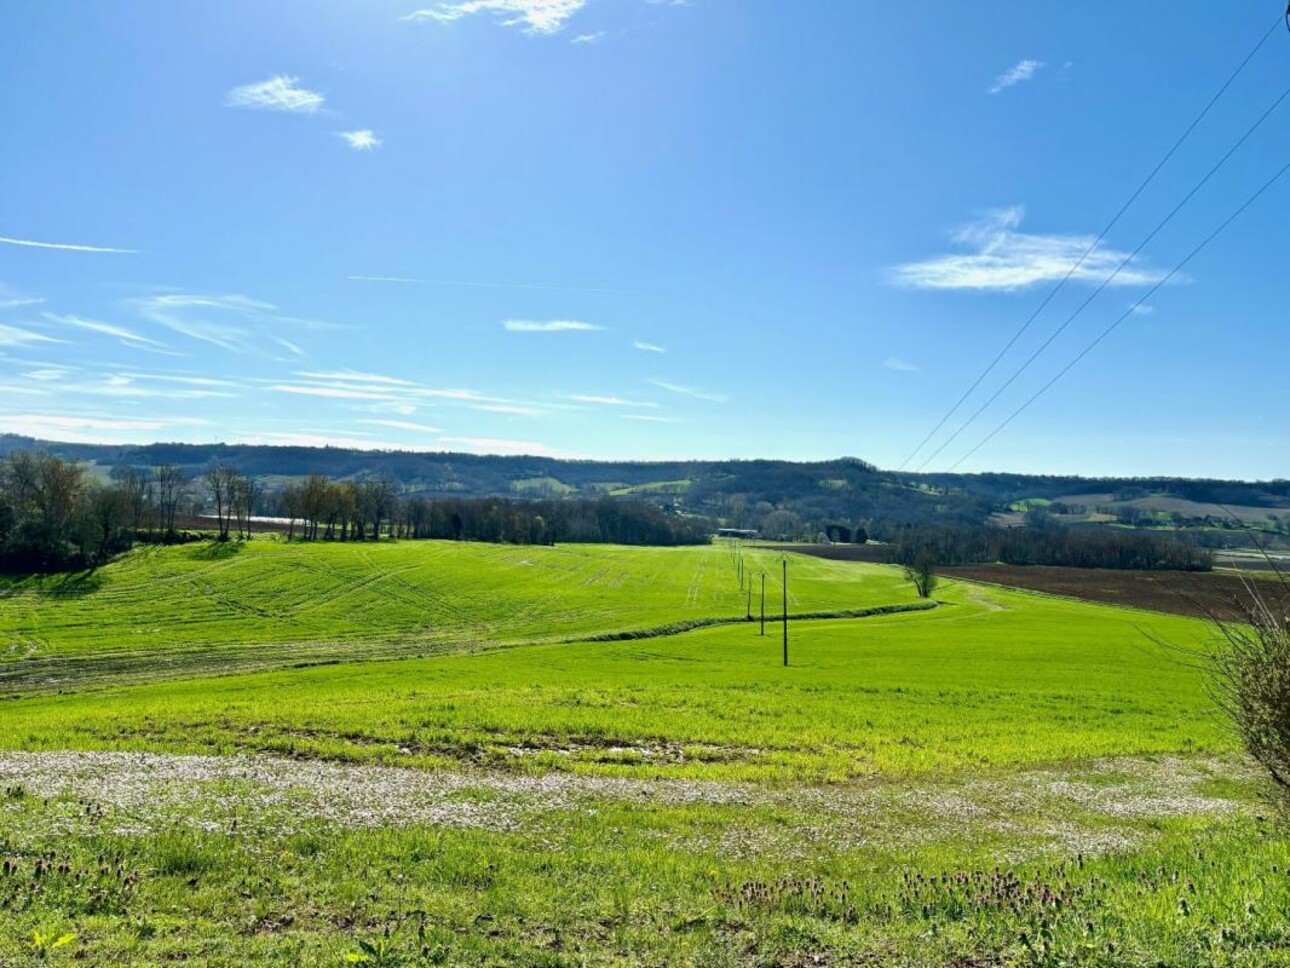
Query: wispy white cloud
333	392
1146	309
234	322
184	380
609	401
648	347
307	439
126	336
1021	72
533	16
279	93
87	429
355	377
465	396
553	326
126	386
1004	259
514	409
406	280
65	246
592	38
48	373
686	391
409	425
17	336
650	418
899	365
400	396
364	140
494	445
11	298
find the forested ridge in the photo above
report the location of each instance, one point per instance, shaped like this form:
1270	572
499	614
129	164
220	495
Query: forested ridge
741	493
68	504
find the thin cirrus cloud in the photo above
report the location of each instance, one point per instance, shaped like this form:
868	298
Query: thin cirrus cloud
648	347
532	16
127	386
686	391
125	336
391	393
364	140
899	365
511	409
409	425
232	322
87	429
650	418
1004	259
17	336
495	445
1019	73
319	439
278	93
592	38
551	326
406	280
64	246
611	401
12	298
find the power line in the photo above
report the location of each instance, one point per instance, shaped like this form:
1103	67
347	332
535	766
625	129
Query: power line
1125	315
1108	280
1096	242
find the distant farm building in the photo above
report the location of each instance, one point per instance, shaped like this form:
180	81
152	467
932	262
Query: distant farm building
737	533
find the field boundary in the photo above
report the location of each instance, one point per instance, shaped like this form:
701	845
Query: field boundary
679	628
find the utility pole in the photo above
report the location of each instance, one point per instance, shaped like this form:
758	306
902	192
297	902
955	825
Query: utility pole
763	601
785	562
748	613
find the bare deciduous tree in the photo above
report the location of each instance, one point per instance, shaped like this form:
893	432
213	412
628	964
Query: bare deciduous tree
171	483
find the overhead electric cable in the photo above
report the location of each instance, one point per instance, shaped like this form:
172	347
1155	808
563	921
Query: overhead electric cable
1096	242
1125	315
1108	280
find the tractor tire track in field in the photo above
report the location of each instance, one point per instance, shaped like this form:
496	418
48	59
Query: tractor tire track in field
1101	806
125	666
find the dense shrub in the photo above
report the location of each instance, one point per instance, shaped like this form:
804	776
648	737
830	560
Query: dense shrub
1251	678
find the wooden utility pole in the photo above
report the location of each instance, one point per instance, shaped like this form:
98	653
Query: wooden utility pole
748	613
785	562
763	602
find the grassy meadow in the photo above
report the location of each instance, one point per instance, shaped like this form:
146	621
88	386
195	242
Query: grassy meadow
217	607
1005	779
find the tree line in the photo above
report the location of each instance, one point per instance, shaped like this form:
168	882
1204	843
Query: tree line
1082	548
56	516
320	509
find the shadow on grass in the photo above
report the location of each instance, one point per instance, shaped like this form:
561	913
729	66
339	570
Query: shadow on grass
217	550
66	585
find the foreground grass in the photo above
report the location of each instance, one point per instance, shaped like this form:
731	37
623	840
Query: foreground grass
627	884
198	609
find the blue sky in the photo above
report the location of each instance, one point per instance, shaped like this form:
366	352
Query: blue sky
635	229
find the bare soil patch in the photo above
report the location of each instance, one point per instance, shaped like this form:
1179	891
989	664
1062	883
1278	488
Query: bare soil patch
1175	592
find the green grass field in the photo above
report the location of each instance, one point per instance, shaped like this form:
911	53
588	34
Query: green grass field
199	609
1007	779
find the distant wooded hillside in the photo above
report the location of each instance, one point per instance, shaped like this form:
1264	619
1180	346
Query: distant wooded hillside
779	498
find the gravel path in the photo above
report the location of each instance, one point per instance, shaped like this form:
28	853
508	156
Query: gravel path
1093	807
